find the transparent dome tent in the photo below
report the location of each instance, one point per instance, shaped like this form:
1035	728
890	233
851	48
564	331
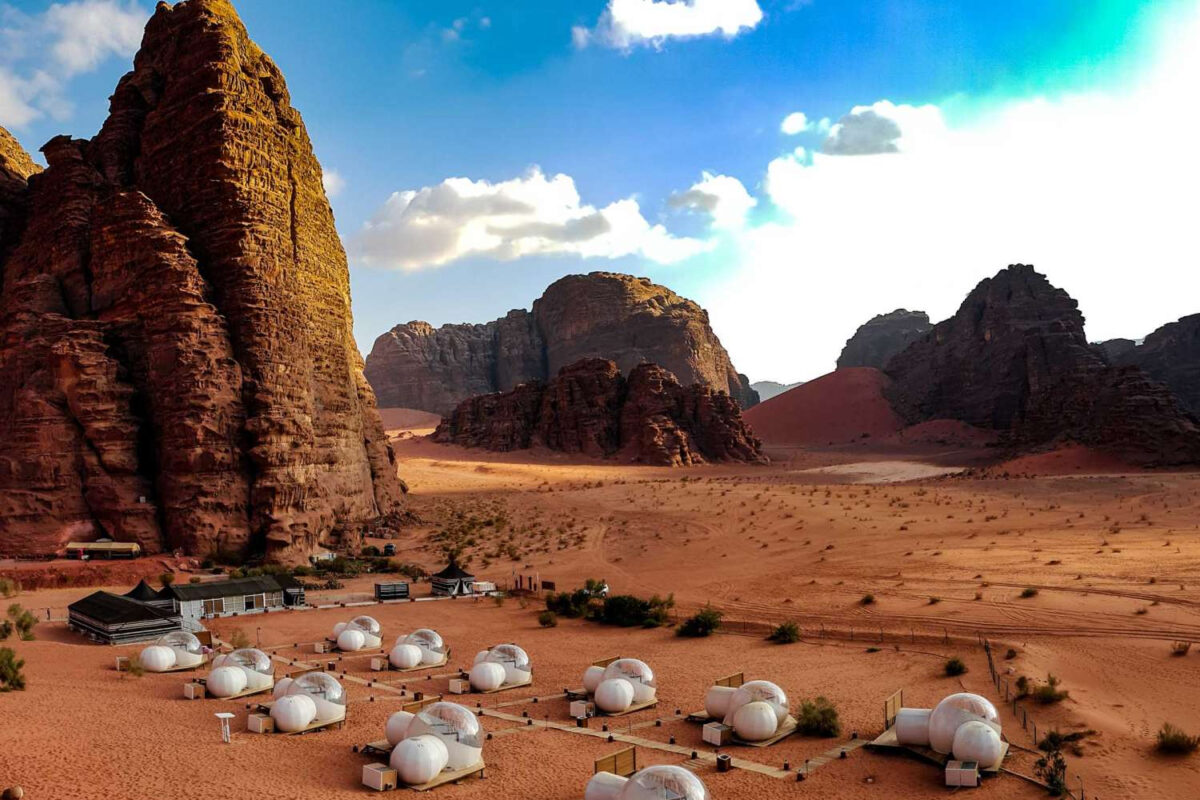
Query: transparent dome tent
251	659
665	782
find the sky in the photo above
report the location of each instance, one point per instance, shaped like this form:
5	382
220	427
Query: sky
794	166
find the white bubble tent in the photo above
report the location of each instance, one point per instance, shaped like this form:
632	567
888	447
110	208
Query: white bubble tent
963	725
240	673
421	649
438	743
178	650
758	712
652	783
504	666
360	633
312	700
621	686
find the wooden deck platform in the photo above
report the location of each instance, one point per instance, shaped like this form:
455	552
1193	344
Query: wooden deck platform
790	726
887	742
448	776
244	693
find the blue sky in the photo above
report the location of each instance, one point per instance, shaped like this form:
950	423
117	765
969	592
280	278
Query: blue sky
401	96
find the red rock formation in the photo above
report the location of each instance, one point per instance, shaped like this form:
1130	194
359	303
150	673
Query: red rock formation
177	344
600	315
1171	355
591	408
1015	359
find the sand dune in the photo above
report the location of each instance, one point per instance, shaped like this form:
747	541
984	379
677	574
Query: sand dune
843	406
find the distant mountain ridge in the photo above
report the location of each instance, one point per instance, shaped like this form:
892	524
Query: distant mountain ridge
768	389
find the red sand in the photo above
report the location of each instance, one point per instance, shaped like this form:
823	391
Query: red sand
1074	459
834	409
400	419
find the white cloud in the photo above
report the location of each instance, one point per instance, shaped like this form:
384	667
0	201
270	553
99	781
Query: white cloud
722	198
1096	190
628	23
795	123
333	182
529	215
39	53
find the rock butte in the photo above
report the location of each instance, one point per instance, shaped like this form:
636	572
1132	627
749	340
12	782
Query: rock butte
882	337
1014	358
592	409
599	315
177	349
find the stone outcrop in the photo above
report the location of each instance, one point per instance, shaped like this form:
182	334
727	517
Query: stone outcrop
1014	359
175	328
882	337
1115	349
1171	355
591	408
600	315
768	389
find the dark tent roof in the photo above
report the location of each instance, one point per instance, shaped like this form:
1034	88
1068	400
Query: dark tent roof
143	592
288	582
453	572
115	609
229	588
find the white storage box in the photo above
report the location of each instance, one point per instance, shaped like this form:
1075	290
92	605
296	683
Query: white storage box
717	734
962	773
260	723
379	777
582	708
379	664
193	691
321	647
459	686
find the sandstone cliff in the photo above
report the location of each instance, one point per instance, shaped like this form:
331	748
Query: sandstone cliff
600	315
1014	358
591	408
882	337
177	350
1171	355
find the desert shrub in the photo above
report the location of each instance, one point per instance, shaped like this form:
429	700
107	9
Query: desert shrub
6	629
134	667
1054	740
166	578
786	633
867	600
1048	693
22	620
239	639
702	623
370	551
1023	685
1052	770
1180	648
193	579
1010	654
818	718
933	601
1029	591
1175	742
548	619
955	667
572	605
628	611
9	587
11	678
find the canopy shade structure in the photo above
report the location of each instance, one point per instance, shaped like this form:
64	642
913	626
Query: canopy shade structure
116	619
452	581
143	592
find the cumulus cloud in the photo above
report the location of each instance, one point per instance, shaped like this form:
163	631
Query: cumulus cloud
720	197
333	182
882	128
39	53
795	123
529	215
625	24
1066	183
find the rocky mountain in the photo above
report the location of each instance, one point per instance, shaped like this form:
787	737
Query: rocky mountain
175	328
768	389
1014	358
590	407
882	337
1171	355
1114	349
599	315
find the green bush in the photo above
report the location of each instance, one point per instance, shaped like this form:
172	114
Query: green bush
370	551
9	587
1029	592
818	718
1048	693
548	619
1052	770
22	620
703	623
955	667
6	629
787	633
11	678
867	600
166	578
572	605
1175	742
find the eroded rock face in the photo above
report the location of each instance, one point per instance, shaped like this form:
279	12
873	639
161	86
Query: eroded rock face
1172	355
177	349
882	337
1014	358
591	408
600	315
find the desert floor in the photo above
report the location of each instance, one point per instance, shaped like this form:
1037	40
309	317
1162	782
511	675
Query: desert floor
1114	558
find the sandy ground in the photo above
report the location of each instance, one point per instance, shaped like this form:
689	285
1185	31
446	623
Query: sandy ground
1114	559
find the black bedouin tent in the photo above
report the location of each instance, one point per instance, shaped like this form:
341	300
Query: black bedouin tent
118	619
451	581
